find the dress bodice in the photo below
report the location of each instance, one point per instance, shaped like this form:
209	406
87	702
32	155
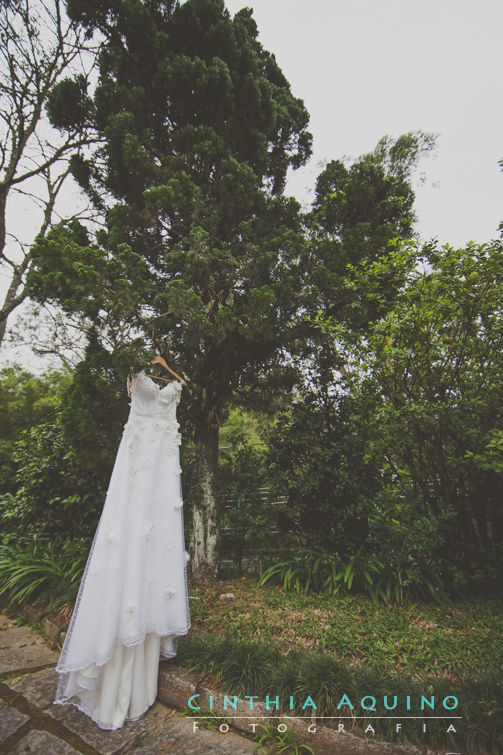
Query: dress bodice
148	399
152	413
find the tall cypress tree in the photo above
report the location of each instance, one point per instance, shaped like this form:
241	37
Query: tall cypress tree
202	254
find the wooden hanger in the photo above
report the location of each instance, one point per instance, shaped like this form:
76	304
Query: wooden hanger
160	360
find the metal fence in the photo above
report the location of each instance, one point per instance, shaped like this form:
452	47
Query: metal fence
236	553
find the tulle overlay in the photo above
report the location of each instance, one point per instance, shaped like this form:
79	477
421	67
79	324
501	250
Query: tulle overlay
132	603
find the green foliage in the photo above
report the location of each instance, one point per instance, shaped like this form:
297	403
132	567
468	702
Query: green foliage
68	104
55	495
434	363
314	569
242	663
318	457
249	515
25	401
280	742
41	570
358	213
248	426
399	462
62	466
93	410
423	386
47	488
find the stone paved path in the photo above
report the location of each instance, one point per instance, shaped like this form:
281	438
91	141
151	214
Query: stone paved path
30	723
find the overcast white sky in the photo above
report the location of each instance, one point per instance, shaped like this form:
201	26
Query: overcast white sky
366	68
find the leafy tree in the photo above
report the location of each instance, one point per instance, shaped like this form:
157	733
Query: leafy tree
65	431
320	457
26	400
435	360
55	494
358	213
92	410
203	257
401	459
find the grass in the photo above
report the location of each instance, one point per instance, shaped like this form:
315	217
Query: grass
452	642
263	641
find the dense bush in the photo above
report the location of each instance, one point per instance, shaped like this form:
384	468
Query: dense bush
61	465
56	495
25	401
403	461
319	457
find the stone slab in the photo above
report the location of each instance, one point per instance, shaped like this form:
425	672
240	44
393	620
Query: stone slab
6	621
206	743
22	648
51	629
38	687
10	720
225	744
37	742
327	741
175	684
210	699
107	741
178	737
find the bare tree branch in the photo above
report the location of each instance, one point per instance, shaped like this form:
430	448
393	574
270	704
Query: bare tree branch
39	46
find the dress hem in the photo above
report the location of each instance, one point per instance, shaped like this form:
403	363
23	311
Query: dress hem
84	664
101	724
88	709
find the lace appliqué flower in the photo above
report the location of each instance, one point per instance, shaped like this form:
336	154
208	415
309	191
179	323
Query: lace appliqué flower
178	504
168	424
110	536
169	591
149	532
175	440
134	441
187	556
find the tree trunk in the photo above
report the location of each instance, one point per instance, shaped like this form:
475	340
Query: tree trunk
12	300
204	543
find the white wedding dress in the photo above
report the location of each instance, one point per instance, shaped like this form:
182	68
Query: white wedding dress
132	603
